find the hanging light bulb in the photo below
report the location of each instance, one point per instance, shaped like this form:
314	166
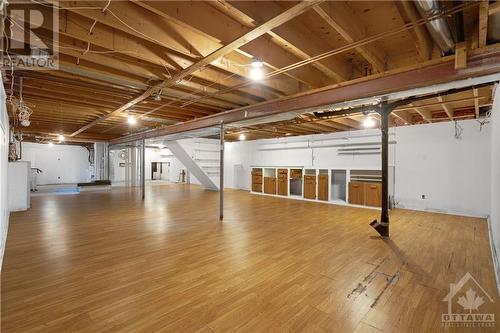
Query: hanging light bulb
368	122
242	137
60	137
51	144
131	119
158	95
256	72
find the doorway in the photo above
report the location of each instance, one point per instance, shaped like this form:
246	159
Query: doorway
160	171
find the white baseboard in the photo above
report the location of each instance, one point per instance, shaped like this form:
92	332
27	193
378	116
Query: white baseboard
494	255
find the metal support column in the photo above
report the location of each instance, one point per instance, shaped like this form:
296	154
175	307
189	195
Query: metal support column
221	173
108	165
382	227
143	169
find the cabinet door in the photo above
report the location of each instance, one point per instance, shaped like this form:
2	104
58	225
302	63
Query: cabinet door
283	185
323	187
257	187
310	187
270	185
356	193
256	179
373	194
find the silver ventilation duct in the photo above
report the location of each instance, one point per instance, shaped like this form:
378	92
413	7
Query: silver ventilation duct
494	28
439	28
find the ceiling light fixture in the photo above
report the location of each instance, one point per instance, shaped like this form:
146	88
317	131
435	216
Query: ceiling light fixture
242	137
368	122
256	72
131	119
60	137
158	96
51	144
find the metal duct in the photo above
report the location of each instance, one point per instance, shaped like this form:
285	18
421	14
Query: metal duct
494	28
439	28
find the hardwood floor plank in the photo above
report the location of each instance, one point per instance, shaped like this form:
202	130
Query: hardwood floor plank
108	262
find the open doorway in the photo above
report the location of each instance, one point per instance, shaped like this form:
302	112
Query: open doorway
160	171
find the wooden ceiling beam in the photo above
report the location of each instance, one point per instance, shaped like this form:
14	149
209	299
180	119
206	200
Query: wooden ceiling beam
481	62
483	22
405	116
297	37
339	16
446	107
476	102
242	40
225	28
423	40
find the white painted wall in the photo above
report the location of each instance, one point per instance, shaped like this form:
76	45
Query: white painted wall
61	164
453	174
19	174
4	149
494	219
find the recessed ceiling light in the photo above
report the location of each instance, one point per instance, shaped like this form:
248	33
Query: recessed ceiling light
51	144
60	137
242	137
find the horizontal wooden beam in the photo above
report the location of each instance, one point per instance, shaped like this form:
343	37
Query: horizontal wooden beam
246	38
481	62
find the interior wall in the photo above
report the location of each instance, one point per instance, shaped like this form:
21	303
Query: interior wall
494	219
60	164
453	174
4	151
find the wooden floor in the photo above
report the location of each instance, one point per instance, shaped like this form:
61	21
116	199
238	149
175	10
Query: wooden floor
105	261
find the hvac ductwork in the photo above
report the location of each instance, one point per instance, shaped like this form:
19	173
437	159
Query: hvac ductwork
494	28
439	28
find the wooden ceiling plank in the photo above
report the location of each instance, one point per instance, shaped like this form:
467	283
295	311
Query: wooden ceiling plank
242	40
423	40
446	107
339	16
296	37
483	22
225	28
476	101
405	116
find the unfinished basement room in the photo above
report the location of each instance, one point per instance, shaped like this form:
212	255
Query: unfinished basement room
250	166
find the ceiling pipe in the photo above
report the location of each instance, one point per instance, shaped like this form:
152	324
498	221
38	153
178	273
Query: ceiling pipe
439	28
493	35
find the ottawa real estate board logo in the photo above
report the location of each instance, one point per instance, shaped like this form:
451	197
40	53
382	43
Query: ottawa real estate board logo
31	35
468	305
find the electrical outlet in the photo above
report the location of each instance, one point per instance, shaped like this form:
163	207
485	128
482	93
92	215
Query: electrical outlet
423	196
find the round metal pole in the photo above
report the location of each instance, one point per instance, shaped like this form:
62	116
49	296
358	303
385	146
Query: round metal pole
221	173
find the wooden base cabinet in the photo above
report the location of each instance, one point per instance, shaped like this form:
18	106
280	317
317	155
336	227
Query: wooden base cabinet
323	187
356	193
257	180
373	194
270	185
309	187
282	182
366	194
